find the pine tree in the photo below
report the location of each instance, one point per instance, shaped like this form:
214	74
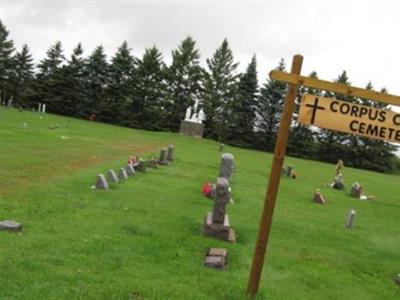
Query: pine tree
269	109
74	76
148	106
220	90
183	80
121	81
49	83
6	63
22	76
97	79
242	118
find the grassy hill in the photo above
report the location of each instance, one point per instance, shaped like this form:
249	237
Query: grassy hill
141	239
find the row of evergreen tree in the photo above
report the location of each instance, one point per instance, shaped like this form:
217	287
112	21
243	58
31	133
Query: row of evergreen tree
146	93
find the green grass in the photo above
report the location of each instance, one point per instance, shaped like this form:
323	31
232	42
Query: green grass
141	239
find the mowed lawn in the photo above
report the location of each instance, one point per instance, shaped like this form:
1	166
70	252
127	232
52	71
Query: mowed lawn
142	238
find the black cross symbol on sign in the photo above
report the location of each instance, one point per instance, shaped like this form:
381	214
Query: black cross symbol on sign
315	107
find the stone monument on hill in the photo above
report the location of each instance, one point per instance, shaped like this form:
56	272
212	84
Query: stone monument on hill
193	125
216	223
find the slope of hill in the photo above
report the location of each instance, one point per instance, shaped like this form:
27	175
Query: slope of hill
141	239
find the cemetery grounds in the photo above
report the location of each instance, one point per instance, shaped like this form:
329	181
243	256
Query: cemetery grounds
142	238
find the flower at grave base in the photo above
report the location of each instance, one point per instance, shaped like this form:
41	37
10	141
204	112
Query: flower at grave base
207	190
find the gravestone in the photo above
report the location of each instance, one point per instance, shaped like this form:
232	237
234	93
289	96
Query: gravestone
397	279
101	182
130	170
356	190
216	223
350	218
12	226
318	198
171	153
141	165
338	183
151	163
122	174
227	166
112	176
289	170
163	157
221	147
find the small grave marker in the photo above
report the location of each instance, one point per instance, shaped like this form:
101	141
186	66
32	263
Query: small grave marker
122	174
318	198
130	170
141	165
12	226
171	153
216	258
350	218
163	157
397	279
101	182
112	176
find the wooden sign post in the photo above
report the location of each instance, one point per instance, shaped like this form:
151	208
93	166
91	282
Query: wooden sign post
274	179
326	113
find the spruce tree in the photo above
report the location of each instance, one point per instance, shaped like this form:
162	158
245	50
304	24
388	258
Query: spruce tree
220	90
6	63
121	81
49	83
148	106
269	109
183	80
242	118
97	79
22	77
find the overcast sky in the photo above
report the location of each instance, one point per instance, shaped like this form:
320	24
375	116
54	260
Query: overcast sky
361	37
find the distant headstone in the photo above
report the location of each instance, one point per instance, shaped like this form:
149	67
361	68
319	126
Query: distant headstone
227	166
338	183
12	226
141	166
397	279
216	223
44	108
171	153
101	182
221	147
40	107
151	163
216	258
318	198
130	170
356	190
350	218
289	170
112	176
339	166
163	157
122	175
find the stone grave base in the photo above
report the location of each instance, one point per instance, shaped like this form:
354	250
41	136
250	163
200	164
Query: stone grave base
216	258
8	225
191	129
219	231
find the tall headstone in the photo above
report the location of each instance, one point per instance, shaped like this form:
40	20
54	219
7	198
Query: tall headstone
171	153
44	108
338	182
101	182
227	166
350	218
163	157
122	174
12	226
40	107
216	223
112	176
130	170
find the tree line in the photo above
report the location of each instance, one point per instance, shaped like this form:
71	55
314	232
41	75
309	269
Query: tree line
146	93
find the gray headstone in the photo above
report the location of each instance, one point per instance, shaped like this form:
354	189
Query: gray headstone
318	198
151	163
163	157
122	174
101	182
350	218
112	176
221	198
217	262
397	279
289	170
8	225
355	190
130	170
141	166
227	166
171	153
338	183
